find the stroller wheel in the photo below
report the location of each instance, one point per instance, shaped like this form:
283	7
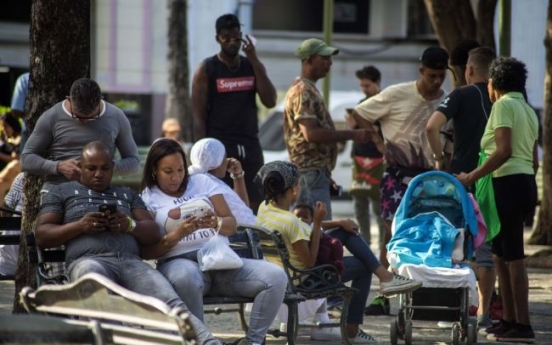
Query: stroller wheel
393	329
455	333
408	332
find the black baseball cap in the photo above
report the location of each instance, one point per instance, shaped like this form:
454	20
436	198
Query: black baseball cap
435	58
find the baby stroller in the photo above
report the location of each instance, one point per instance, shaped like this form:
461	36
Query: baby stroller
433	233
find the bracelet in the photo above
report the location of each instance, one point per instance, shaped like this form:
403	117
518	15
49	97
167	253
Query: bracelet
237	176
165	242
129	226
219	223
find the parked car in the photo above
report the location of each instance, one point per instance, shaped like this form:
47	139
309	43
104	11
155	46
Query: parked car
271	135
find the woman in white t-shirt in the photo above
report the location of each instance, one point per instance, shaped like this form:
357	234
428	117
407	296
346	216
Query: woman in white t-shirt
208	157
190	210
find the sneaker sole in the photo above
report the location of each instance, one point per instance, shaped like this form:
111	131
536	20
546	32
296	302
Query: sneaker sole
395	290
515	340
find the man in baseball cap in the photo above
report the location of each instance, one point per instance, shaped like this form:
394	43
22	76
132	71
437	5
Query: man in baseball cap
309	131
314	46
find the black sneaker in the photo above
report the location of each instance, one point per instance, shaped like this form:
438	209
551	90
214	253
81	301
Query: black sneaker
516	335
378	306
501	327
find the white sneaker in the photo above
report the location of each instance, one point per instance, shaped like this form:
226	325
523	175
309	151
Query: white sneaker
325	333
398	285
363	338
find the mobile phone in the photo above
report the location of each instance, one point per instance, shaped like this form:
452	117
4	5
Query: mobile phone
112	208
200	212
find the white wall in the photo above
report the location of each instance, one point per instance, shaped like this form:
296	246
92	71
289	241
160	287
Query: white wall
528	32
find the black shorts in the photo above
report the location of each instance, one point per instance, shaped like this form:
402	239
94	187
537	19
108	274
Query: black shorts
515	197
251	159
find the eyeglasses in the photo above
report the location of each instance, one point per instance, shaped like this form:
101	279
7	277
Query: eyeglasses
88	117
227	38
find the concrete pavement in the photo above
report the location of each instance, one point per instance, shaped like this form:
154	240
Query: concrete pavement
226	325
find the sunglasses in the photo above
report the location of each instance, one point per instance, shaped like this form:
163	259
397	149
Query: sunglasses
230	38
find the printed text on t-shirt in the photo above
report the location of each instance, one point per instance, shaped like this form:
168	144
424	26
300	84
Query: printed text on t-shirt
235	84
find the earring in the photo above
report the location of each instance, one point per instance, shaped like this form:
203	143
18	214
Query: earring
153	176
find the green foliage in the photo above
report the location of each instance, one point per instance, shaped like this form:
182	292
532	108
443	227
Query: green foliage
4	110
127	104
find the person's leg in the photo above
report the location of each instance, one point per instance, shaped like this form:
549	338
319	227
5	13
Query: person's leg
514	195
486	278
263	281
85	265
188	281
361	278
138	276
362	213
392	191
251	164
358	247
375	201
318	184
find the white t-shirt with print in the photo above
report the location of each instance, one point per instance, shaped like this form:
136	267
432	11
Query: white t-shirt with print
170	211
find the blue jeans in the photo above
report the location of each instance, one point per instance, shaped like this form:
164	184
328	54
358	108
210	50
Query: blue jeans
262	280
129	271
358	268
318	184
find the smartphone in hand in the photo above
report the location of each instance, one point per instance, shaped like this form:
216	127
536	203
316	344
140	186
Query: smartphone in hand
112	208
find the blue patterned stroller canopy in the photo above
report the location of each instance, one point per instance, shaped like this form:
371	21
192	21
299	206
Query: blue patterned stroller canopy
435	206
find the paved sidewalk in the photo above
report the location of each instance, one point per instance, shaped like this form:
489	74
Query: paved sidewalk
226	326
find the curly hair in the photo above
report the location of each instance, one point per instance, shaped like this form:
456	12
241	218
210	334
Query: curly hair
161	148
508	74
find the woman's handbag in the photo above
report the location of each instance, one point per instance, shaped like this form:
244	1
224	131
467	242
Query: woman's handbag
216	254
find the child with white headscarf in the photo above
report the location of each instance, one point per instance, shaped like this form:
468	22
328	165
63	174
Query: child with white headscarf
208	157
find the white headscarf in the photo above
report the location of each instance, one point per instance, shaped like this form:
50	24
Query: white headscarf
206	154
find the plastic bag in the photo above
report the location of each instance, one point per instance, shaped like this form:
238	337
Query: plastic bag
481	226
216	254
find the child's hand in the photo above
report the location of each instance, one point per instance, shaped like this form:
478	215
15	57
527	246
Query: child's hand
319	211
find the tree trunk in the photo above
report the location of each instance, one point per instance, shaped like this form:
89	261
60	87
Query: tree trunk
454	21
485	22
543	229
60	54
178	90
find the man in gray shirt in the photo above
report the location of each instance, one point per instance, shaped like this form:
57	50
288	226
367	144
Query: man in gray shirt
63	130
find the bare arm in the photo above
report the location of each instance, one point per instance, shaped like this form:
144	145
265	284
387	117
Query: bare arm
315	134
235	168
433	129
228	222
372	131
146	231
307	251
200	90
503	139
265	89
130	160
51	232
